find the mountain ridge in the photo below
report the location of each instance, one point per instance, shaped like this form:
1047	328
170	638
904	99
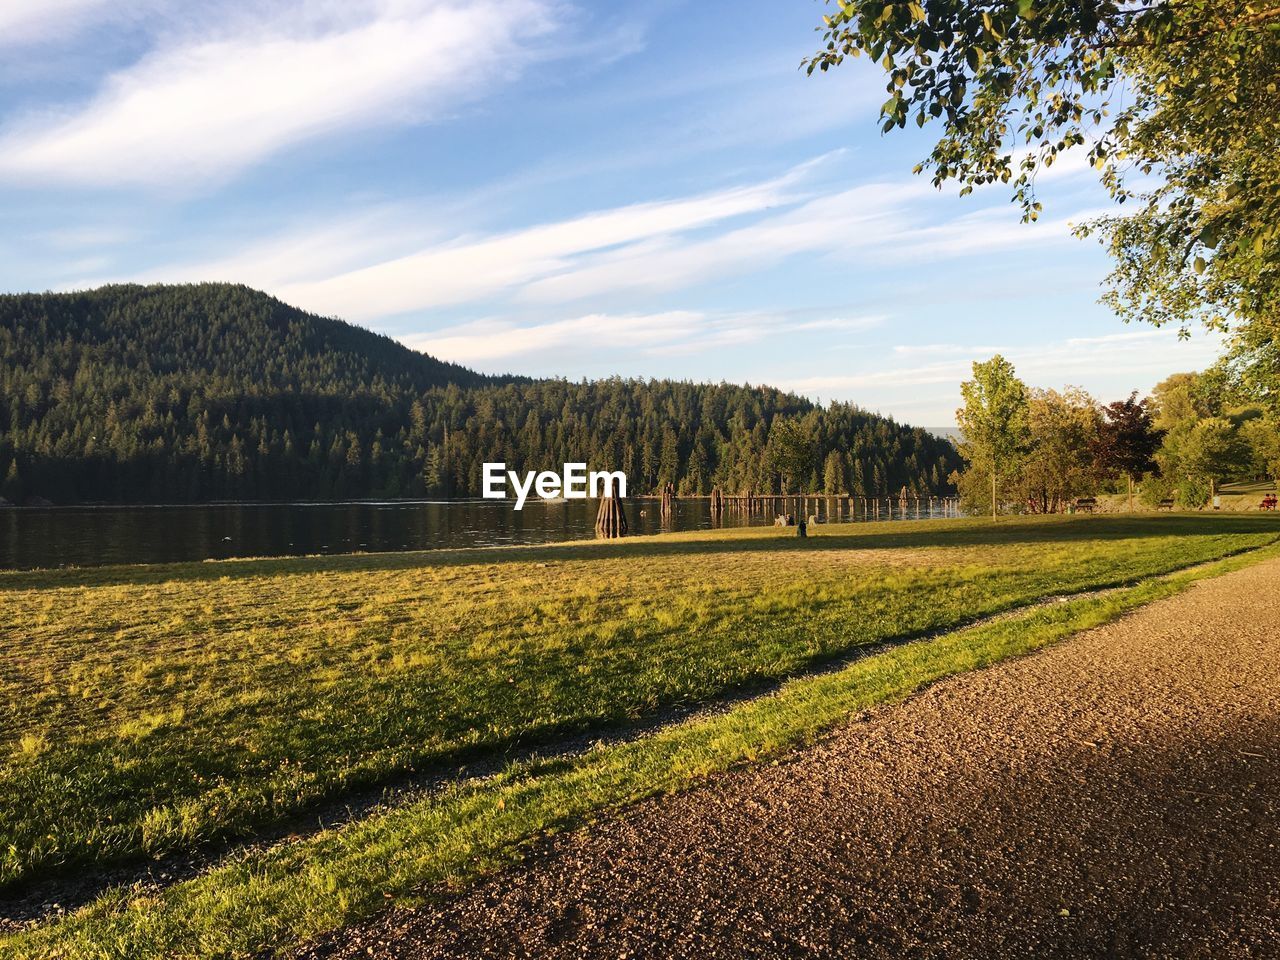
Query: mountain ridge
196	392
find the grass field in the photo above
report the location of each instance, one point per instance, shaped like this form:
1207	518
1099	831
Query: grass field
147	710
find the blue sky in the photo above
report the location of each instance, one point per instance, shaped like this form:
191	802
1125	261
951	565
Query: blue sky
549	188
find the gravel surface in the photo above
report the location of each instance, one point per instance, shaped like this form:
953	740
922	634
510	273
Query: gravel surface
1115	795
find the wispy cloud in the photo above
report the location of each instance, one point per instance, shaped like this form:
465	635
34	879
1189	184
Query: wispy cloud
490	344
87	236
25	20
484	342
314	268
194	111
868	224
349	269
1100	363
940	350
1114	338
671	263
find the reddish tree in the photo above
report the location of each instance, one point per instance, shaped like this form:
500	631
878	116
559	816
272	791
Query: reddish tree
1127	440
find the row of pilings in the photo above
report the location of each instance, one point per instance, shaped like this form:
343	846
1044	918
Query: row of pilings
822	509
611	520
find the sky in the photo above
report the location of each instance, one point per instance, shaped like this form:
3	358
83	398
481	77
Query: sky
549	188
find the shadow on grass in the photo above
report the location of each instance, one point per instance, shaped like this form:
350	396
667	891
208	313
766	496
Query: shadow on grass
80	877
912	535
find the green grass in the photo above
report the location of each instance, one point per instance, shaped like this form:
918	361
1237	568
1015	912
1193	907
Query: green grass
145	710
271	899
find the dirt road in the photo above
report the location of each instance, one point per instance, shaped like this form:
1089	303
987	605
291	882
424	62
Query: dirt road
1115	795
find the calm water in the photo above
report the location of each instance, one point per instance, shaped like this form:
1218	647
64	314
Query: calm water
88	536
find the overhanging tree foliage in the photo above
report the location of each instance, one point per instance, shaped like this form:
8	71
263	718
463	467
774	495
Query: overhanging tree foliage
1177	103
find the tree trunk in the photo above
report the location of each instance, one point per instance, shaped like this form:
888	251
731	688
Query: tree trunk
1129	477
993	490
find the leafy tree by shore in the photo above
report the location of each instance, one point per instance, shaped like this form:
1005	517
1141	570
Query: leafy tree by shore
791	452
1207	441
1183	441
1059	464
1127	441
994	423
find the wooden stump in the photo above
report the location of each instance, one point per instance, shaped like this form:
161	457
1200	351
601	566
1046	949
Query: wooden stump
668	499
611	520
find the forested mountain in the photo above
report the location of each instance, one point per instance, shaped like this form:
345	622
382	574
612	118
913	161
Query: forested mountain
214	391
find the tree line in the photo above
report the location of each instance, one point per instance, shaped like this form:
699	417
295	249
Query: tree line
212	391
1037	450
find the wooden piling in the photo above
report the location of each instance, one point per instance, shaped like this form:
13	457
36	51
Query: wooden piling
717	500
611	519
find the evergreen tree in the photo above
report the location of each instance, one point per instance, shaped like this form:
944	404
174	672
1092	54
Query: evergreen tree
12	488
211	391
833	474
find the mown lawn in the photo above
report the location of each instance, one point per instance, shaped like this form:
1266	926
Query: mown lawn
145	710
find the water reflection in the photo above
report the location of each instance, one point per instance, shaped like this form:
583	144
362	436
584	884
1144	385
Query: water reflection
87	536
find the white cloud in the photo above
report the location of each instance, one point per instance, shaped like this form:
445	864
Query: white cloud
1108	366
659	247
872	223
1112	338
356	267
324	247
490	343
88	235
465	269
486	341
940	349
670	263
194	111
25	20
736	330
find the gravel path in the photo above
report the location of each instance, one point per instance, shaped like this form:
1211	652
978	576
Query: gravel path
1115	795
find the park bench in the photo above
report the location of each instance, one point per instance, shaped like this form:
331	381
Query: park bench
1268	502
1165	504
1086	504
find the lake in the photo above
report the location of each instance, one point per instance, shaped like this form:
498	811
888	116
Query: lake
89	536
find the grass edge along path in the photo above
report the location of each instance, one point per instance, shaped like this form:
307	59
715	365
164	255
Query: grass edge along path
272	899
